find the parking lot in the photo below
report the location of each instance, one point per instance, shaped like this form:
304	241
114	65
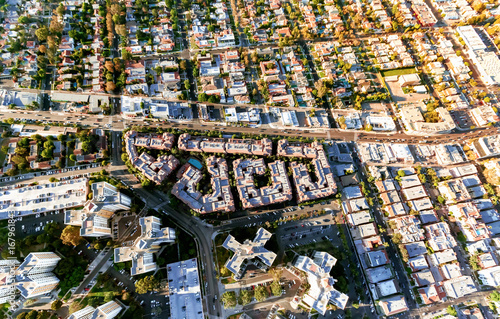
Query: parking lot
309	231
69	171
33	224
462	118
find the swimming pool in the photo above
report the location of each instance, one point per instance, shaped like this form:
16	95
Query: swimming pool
196	163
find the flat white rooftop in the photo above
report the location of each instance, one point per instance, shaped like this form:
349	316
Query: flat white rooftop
185	293
43	197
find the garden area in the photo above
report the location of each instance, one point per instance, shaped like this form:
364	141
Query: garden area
401	71
107	289
71	268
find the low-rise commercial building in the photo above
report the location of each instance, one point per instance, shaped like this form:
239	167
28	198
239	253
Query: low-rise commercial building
184	287
459	287
485	61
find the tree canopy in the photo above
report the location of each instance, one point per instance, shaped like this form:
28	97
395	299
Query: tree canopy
229	299
146	284
71	236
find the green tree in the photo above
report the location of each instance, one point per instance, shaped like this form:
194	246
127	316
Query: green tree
276	273
451	311
229	299
183	65
396	238
108	296
276	288
245	297
441	199
56	304
146	284
60	10
224	272
47	153
42	33
260	293
71	236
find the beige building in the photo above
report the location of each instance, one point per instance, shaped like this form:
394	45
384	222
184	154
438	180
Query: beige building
279	191
415	122
93	218
143	248
221	198
306	189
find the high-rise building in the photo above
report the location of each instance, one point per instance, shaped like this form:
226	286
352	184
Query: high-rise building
148	243
322	291
33	277
93	219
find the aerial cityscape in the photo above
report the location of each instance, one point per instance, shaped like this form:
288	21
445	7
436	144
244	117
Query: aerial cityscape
250	159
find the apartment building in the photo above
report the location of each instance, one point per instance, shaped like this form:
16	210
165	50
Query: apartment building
156	170
415	122
321	291
424	14
247	251
221	198
43	198
144	246
467	218
93	218
306	189
279	191
32	278
263	147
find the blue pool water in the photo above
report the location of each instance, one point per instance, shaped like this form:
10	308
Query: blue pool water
196	163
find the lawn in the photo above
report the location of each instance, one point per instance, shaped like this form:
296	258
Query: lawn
401	71
2	154
319	246
222	256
